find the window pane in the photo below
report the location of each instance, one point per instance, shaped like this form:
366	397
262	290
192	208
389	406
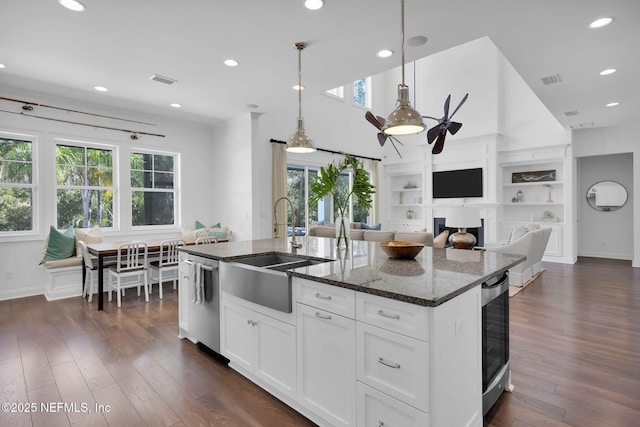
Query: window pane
70	175
297	194
16	213
68	155
152	208
163	163
99	177
85	208
137	179
11	149
137	161
360	92
15	172
163	180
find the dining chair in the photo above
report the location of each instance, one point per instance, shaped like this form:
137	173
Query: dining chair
206	240
166	263
90	268
131	262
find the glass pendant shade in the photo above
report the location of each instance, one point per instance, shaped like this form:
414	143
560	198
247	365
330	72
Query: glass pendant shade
299	142
404	120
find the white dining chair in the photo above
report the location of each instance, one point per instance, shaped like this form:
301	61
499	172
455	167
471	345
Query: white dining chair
91	268
166	263
206	240
131	262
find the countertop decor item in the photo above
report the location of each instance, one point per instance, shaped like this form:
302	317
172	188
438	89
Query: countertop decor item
400	249
327	182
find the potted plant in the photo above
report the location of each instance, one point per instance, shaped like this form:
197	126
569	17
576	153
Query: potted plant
325	183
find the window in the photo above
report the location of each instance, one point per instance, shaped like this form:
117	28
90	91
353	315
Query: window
153	189
323	212
362	92
338	92
16	185
84	178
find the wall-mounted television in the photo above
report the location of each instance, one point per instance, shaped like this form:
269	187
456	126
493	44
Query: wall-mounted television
457	184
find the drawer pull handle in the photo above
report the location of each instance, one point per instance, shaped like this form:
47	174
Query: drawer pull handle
328	297
390	316
321	316
389	364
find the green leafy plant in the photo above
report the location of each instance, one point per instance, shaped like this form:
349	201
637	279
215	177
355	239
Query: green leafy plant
325	183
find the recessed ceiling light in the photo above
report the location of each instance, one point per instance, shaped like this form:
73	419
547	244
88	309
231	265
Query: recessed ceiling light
74	5
607	71
416	41
2	66
176	105
384	53
252	106
313	4
100	88
613	104
231	63
601	22
296	87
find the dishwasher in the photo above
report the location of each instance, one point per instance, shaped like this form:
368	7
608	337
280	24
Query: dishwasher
201	302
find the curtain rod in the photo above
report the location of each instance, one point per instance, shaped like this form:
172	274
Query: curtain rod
134	133
332	152
27	107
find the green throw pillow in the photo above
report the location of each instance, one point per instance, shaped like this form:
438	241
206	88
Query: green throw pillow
61	244
200	225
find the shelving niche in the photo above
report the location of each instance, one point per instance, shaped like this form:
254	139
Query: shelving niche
405	190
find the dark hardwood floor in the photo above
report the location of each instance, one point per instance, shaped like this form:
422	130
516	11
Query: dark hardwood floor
575	354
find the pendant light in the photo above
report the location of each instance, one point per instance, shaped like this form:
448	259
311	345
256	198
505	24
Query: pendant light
404	120
299	141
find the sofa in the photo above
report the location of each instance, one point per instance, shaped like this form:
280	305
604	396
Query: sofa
379	235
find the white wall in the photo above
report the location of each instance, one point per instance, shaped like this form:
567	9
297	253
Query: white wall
605	234
193	143
615	140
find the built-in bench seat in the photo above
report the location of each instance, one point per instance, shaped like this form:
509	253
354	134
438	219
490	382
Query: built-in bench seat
64	278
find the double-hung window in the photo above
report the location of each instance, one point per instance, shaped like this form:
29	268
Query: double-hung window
153	188
84	179
16	185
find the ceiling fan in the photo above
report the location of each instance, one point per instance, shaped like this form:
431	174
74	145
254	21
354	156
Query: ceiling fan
437	133
378	122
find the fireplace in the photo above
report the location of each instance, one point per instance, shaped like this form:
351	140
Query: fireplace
438	227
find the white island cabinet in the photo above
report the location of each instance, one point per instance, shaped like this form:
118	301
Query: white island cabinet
348	358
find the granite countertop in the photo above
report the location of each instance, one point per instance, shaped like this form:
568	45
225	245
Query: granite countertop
432	278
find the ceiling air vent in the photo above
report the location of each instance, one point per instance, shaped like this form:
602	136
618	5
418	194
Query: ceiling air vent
550	80
162	79
583	125
571	113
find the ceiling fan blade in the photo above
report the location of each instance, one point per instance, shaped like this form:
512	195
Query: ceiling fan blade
446	106
459	105
437	148
454	127
382	138
397	151
372	119
393	138
433	133
382	120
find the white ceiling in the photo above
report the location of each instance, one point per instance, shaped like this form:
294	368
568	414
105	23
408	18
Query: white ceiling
119	44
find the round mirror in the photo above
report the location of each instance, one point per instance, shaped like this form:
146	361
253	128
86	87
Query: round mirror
606	196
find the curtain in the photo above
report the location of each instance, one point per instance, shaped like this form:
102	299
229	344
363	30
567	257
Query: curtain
279	185
376	182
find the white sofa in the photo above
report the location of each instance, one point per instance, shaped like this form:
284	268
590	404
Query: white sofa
532	245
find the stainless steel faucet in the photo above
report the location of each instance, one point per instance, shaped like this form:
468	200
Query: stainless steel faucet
294	244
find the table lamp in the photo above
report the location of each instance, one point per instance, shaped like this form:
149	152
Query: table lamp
462	218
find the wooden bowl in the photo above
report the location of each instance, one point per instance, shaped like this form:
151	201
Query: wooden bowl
399	249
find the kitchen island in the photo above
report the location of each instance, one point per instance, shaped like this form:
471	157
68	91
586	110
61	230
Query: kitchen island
368	340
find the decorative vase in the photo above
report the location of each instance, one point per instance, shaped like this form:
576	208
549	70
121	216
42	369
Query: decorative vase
343	230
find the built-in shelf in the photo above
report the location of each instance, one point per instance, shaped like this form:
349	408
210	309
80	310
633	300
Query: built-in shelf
526	184
533	204
406	205
402	190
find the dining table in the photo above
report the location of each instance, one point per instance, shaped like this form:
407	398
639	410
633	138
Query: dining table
109	250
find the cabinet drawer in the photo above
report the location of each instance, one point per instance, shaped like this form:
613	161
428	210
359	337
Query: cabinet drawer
397	316
394	364
331	298
376	409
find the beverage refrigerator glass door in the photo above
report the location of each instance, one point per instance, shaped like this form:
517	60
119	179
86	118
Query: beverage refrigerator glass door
496	375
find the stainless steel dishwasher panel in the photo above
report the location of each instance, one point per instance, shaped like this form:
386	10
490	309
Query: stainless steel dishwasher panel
204	303
268	288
